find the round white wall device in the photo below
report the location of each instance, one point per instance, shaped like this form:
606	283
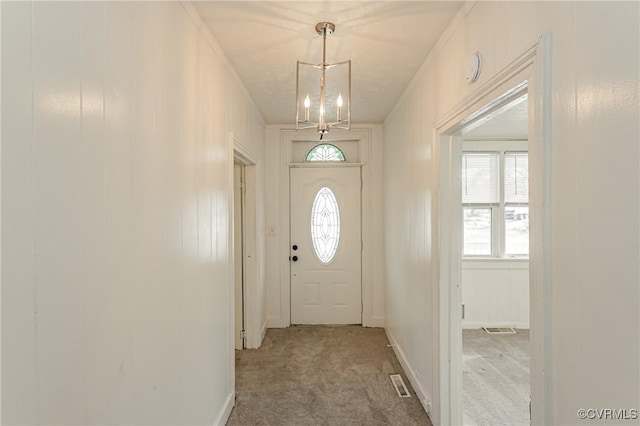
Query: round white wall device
473	67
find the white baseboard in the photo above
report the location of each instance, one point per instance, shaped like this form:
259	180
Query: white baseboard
425	399
377	322
222	418
274	322
263	332
467	325
257	338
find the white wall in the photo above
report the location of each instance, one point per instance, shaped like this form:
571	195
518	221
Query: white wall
276	217
495	293
594	171
116	299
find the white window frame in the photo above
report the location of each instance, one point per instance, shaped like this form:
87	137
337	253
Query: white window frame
498	220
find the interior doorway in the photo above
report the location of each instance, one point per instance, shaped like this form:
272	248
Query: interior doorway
495	267
528	74
471	176
239	207
246	330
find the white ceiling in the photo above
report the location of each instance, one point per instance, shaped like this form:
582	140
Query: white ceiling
387	42
508	123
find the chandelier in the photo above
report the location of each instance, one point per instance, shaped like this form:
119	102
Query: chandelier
323	91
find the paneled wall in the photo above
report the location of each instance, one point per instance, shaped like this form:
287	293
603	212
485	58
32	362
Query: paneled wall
594	167
495	293
116	299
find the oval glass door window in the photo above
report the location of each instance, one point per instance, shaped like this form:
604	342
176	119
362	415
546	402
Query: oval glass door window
325	225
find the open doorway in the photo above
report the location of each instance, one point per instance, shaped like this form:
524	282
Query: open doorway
239	212
528	74
245	326
495	267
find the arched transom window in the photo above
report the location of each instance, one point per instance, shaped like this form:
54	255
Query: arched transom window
325	152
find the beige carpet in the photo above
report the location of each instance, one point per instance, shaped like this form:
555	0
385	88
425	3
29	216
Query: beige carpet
495	378
322	376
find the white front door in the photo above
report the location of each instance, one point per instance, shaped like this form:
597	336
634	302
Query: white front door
326	248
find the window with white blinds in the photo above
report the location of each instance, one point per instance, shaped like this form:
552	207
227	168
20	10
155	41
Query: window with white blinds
495	199
480	178
516	177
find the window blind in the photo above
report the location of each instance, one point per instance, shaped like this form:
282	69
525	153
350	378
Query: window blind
480	178
516	177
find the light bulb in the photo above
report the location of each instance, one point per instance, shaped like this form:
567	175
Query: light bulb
339	101
307	104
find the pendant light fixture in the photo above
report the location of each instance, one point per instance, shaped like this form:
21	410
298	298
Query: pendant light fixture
323	91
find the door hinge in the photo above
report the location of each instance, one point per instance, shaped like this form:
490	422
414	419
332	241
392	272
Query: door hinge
361	245
463	311
243	186
243	334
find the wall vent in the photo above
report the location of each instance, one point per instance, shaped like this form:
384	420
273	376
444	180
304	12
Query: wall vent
398	383
499	330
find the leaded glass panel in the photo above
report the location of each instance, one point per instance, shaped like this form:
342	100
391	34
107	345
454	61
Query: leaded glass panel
325	225
325	152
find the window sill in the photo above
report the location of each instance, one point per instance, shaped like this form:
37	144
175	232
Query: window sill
495	263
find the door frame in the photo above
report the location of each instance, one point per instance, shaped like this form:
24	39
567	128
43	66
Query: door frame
239	187
253	328
364	139
529	73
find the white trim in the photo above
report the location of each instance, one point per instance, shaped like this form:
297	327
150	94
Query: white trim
527	72
252	324
425	400
540	260
377	322
242	154
489	144
318	165
274	322
286	157
0	216
475	325
222	418
364	138
494	263
193	13
447	369
231	360
263	332
253	327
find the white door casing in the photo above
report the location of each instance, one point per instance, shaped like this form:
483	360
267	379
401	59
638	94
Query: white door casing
368	156
331	292
529	70
238	236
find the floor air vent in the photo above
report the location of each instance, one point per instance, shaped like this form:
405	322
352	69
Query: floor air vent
398	383
499	330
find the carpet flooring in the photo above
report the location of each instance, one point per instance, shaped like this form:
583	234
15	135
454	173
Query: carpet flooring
322	376
495	378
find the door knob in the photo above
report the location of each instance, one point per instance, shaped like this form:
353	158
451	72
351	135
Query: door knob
294	258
